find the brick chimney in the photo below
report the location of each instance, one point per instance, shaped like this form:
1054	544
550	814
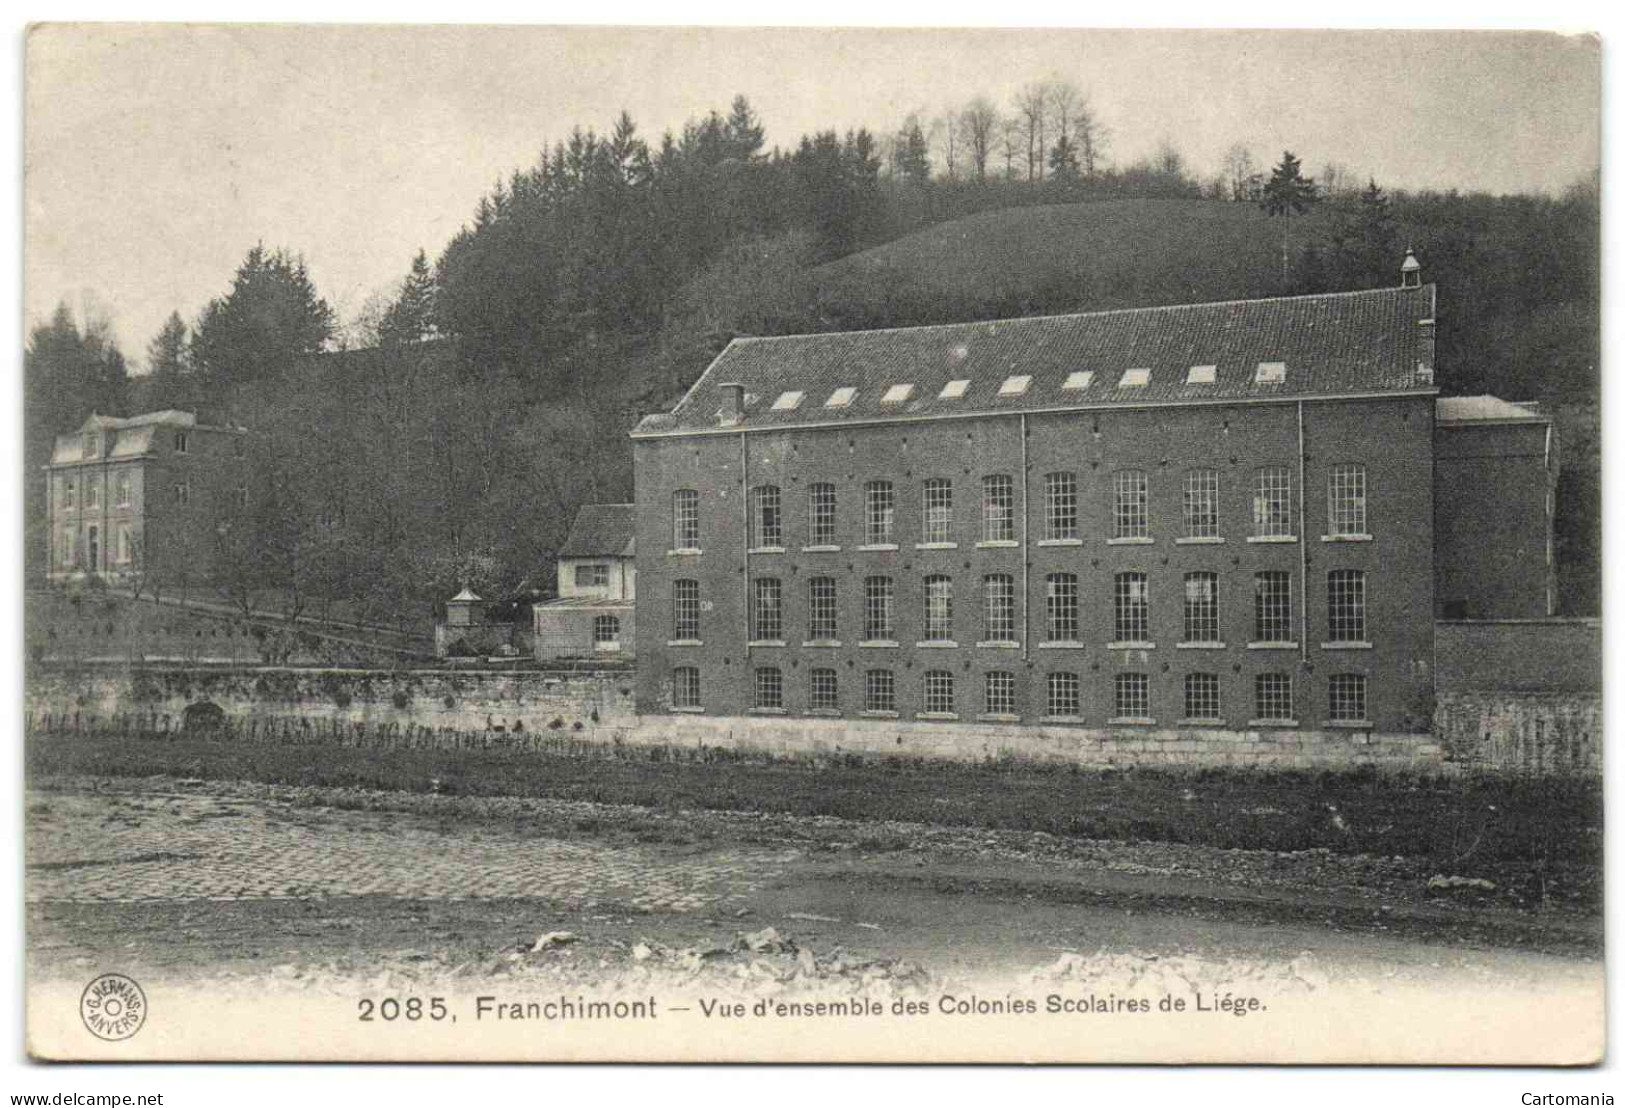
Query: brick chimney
733	403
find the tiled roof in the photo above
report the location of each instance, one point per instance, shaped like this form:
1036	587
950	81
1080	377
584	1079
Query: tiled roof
602	530
1478	409
1331	344
592	603
130	436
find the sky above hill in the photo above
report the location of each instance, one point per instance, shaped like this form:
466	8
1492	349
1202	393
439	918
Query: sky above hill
157	156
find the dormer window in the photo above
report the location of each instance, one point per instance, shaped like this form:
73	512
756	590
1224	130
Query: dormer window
1079	380
181	443
1015	386
841	397
897	394
788	401
90	446
1202	375
1135	379
1271	373
953	390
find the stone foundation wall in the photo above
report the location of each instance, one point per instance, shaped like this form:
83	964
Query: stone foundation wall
1098	747
463	700
1540	733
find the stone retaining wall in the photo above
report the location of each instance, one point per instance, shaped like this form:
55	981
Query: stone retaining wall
463	700
1099	747
1541	733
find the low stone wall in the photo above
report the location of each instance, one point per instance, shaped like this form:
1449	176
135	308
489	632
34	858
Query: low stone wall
462	700
1096	747
1539	733
1542	733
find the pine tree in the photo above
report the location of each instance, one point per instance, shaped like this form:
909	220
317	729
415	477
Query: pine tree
167	353
410	318
1288	192
271	317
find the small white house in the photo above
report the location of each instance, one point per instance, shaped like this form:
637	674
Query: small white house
597	586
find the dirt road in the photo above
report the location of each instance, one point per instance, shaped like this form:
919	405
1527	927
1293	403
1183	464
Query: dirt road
183	879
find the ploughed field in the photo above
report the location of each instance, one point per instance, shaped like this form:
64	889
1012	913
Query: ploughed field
1498	841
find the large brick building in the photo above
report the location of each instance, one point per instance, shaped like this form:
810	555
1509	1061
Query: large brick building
142	497
1214	516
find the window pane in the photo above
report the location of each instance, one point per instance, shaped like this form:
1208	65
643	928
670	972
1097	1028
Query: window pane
685	607
1131	608
879	511
1201	607
1132	695
1061	596
1272	502
768	622
1348	697
1065	695
1061	506
1202	696
1202	504
1345	605
769	687
685	687
1129	506
939	691
821	608
877	608
1346	499
998	508
999	608
821	514
939	608
767	517
879	691
939	510
1000	693
1273	606
686	519
822	691
1273	696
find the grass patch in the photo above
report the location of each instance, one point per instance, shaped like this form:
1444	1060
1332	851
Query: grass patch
1522	831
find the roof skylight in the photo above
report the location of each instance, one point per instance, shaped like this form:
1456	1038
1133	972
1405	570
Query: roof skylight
1135	379
1271	373
841	397
788	401
897	394
953	390
1016	385
1201	375
1079	380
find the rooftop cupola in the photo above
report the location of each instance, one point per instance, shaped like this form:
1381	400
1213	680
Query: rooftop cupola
466	609
1410	272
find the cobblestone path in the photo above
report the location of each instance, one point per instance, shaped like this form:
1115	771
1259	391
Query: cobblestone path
135	847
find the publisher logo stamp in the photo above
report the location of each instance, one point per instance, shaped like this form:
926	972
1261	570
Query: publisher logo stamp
113	1007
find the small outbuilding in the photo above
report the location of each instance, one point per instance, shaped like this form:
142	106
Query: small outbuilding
593	613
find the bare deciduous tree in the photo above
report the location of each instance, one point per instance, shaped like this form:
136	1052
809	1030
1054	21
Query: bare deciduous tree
1009	144
1241	174
1032	108
978	122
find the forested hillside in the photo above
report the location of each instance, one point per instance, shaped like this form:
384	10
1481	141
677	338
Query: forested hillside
490	394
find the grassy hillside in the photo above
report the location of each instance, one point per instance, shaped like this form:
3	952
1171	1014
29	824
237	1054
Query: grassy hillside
1091	256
